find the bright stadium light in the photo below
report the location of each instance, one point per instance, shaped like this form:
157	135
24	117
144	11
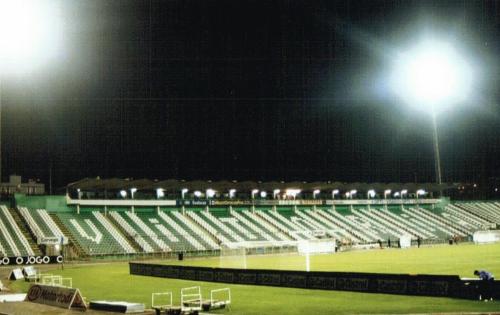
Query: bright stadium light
292	192
370	193
432	76
210	193
30	33
160	193
315	193
387	192
263	194
232	193
254	192
396	194
276	193
132	192
352	193
334	192
183	192
404	192
197	194
421	192
123	193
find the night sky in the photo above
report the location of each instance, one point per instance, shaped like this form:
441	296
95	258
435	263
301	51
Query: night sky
249	90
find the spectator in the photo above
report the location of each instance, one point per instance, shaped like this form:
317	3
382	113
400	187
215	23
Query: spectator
486	284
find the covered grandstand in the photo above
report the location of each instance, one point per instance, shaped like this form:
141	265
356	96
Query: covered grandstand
85	224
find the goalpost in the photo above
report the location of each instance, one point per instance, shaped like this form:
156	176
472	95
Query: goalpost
234	256
307	248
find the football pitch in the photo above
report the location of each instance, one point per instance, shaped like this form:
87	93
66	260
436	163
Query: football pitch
112	281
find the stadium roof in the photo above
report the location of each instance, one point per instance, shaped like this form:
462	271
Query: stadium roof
96	184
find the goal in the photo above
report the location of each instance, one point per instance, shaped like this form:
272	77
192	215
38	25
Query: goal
234	256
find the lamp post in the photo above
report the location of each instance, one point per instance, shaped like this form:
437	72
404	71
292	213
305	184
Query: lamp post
315	193
432	76
352	193
276	193
370	194
334	192
254	192
420	192
386	192
183	192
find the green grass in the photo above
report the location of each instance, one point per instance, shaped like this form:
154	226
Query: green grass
113	282
442	259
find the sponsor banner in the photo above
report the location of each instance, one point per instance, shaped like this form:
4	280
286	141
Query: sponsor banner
31	260
55	296
381	201
191	203
52	240
232	203
266	202
304	202
427	285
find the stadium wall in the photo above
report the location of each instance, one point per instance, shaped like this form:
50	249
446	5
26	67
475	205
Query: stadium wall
51	203
403	284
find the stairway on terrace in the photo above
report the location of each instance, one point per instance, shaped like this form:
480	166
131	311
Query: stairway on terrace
13	234
25	230
71	239
132	241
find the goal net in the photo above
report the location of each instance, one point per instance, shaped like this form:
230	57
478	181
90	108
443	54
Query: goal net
233	257
307	248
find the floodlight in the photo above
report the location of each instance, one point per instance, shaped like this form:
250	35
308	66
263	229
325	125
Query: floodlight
263	194
420	192
292	192
387	192
123	193
232	192
210	193
132	192
30	31
183	192
432	75
371	193
348	194
353	192
254	191
397	194
334	192
315	192
160	193
404	192
197	194
275	192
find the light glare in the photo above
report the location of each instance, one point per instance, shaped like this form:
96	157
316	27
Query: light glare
432	76
30	32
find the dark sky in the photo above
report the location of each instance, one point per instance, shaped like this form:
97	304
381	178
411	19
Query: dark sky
259	90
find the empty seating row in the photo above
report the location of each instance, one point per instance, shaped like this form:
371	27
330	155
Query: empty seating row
40	223
13	236
93	232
